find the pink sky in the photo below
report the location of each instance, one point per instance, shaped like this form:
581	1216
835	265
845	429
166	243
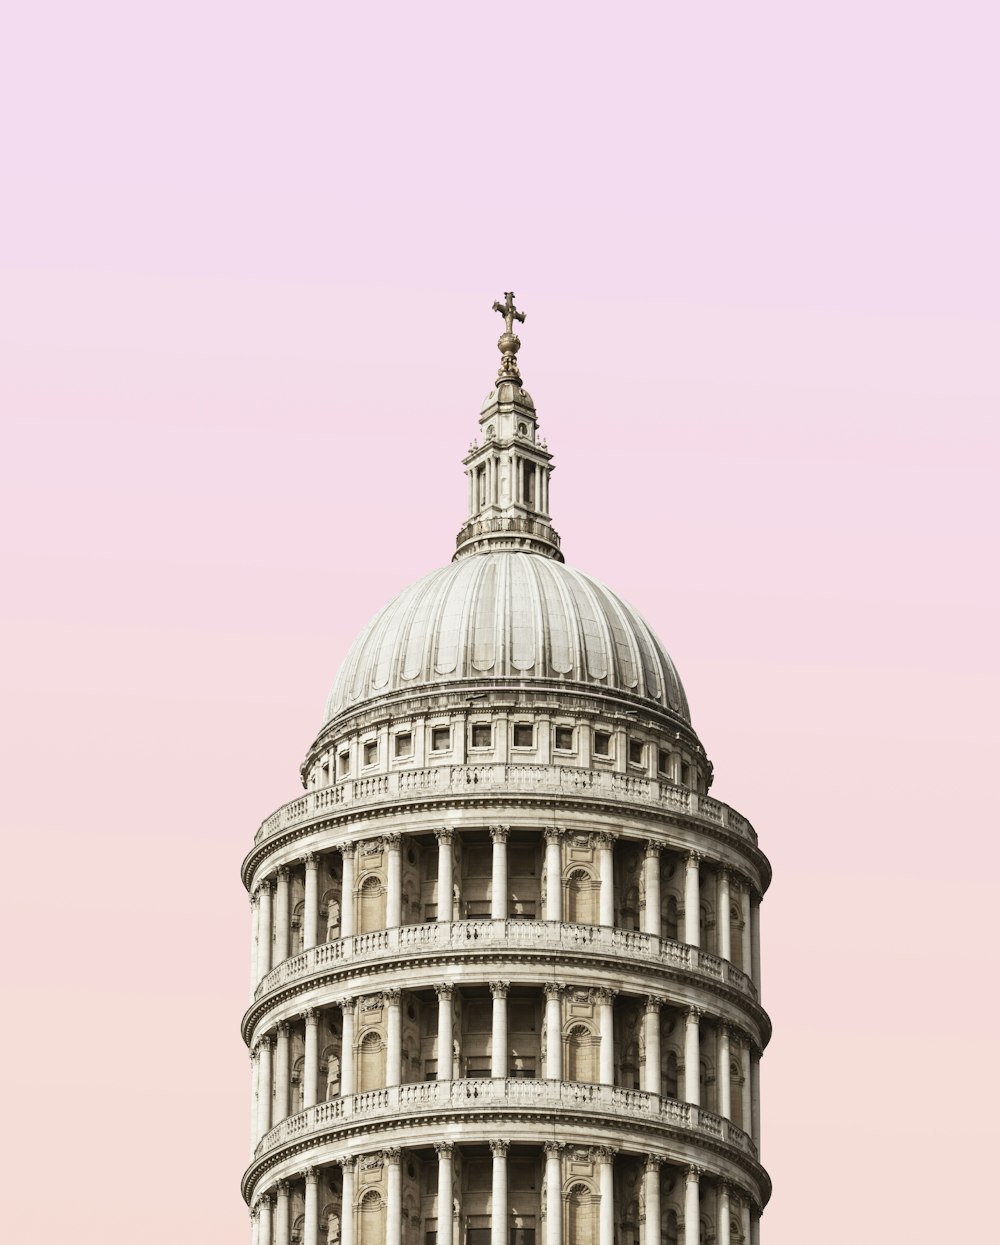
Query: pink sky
248	255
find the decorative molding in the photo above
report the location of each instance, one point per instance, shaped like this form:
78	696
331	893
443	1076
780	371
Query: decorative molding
499	833
499	1148
499	989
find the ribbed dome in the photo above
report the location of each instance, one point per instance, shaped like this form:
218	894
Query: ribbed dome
507	615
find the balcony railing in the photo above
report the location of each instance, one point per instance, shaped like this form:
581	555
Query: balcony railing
435	937
476	1096
500	779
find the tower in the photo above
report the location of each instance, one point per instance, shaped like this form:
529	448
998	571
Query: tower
505	958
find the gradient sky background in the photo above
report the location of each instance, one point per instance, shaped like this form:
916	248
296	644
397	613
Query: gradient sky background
248	256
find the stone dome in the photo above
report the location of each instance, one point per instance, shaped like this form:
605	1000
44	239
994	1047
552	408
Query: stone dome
507	615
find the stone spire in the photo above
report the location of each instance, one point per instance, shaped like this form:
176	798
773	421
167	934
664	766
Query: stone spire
509	466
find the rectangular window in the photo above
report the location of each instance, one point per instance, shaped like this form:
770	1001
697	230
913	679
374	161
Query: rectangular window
478	910
523	910
526	1072
564	738
522	1236
524	735
635	752
441	738
477	1070
343	763
482	735
404	744
371	752
602	744
430	912
663	761
686	775
430	1069
430	1236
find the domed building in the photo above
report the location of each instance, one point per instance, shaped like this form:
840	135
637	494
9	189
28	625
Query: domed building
505	959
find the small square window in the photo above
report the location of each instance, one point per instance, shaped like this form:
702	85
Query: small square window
441	738
686	775
430	1069
404	744
663	761
564	738
482	735
524	735
602	744
371	752
343	763
635	752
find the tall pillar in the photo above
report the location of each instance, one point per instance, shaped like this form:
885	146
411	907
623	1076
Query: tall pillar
394	1040
498	890
692	1059
254	1091
281	920
394	1198
498	1057
446	1185
755	943
652	1083
264	1090
606	1185
606	868
310	1226
282	1078
553	1031
255	1225
394	882
722	1230
605	1011
651	1235
282	1223
722	1074
254	936
722	919
553	1193
692	902
745	1220
553	875
347	1202
446	1032
266	1228
310	906
347	1047
347	891
310	1061
747	1097
265	932
498	1204
446	876
745	910
651	912
692	1209
755	1100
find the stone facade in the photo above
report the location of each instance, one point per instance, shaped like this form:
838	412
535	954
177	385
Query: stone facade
505	958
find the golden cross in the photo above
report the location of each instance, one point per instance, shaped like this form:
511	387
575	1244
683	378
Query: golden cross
509	312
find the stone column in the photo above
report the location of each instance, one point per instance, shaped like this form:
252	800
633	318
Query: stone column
394	881
553	875
755	1100
605	1011
254	1091
281	920
281	1074
264	1090
255	1225
310	1062
692	902
692	1059
347	1048
745	1068
651	1235
347	1202
446	1184
265	933
254	936
692	1210
498	1205
310	1226
394	1040
310	907
446	1033
498	891
722	917
606	1184
446	875
266	1229
553	1032
755	943
745	909
498	1056
722	1233
722	1074
394	1198
282	1225
553	1193
651	913
652	1083
745	1220
347	891
606	868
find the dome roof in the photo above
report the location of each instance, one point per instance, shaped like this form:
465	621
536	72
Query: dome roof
507	614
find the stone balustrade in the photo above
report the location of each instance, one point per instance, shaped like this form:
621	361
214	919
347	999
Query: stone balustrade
458	936
473	1096
562	782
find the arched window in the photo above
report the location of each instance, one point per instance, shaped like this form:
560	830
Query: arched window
668	1227
581	898
582	1049
371	904
580	1214
298	924
329	915
371	1061
669	922
670	1075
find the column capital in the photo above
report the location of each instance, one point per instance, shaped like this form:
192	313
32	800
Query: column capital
310	1015
499	989
603	1154
264	1041
603	995
554	835
499	1148
263	885
391	842
284	1028
346	849
693	1174
445	834
602	839
391	1154
694	858
653	1164
346	1163
283	873
445	1149
653	1004
391	997
254	898
499	833
725	1030
653	848
724	1188
553	990
282	1187
724	873
311	1175
553	1149
345	1002
310	860
444	990
694	1014
265	1199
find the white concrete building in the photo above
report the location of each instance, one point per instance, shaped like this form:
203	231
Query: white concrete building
505	968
